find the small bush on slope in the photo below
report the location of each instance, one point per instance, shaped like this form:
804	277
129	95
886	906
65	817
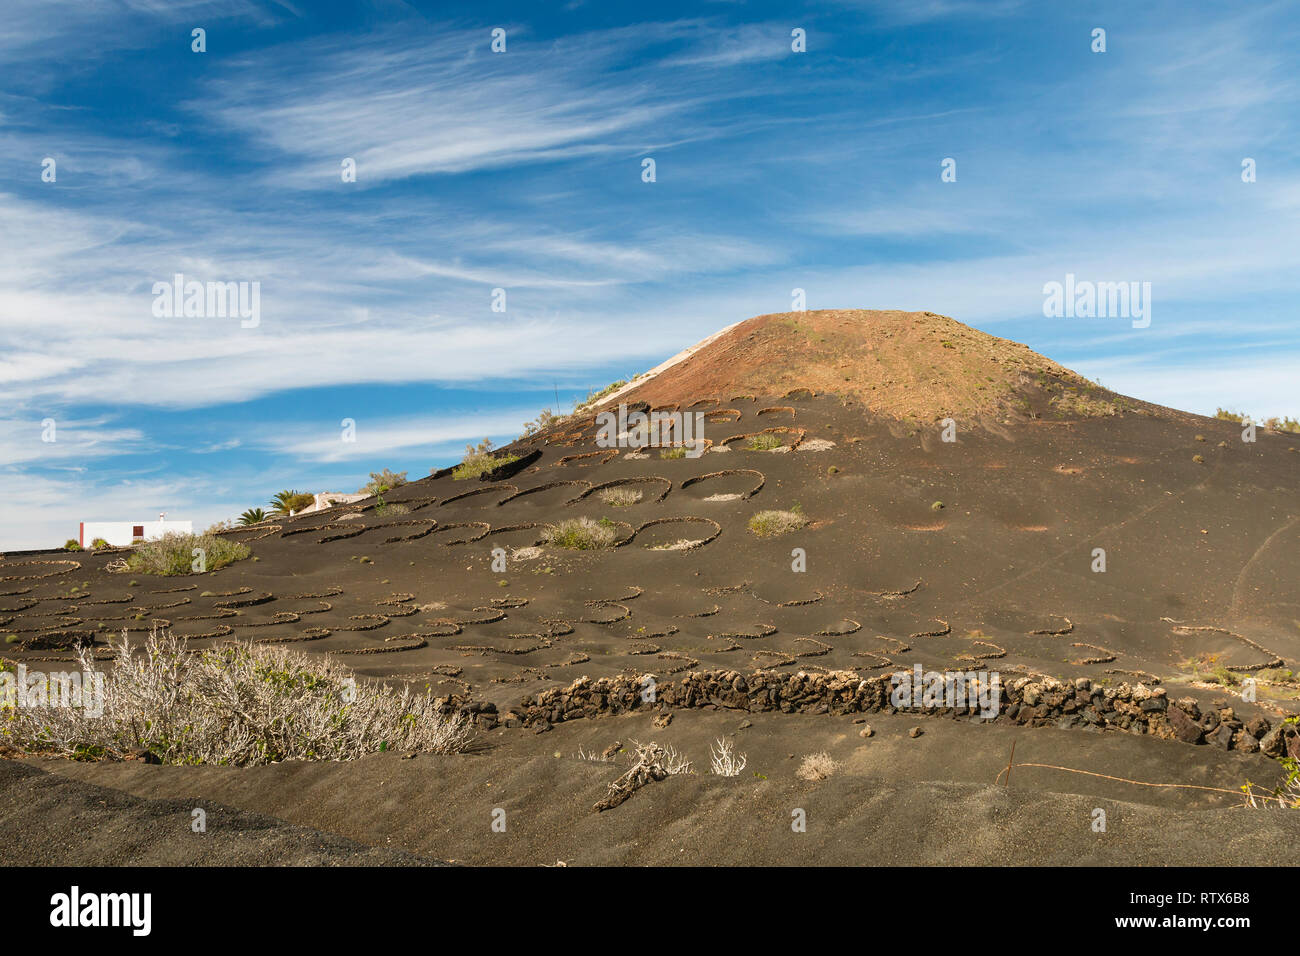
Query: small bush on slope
817	766
173	553
619	497
581	534
724	761
239	704
765	442
1286	424
381	481
770	524
383	507
478	460
544	420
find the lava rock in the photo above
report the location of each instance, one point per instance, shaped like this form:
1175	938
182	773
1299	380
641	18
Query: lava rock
1223	737
1184	728
1273	743
1257	727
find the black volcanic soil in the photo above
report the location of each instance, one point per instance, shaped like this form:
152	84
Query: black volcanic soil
50	819
986	539
895	800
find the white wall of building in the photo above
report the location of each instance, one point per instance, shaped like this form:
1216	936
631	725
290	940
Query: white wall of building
120	533
325	497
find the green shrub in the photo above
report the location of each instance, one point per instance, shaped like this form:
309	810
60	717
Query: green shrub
99	543
770	524
1286	424
581	534
381	481
676	452
173	553
479	459
382	507
72	544
765	442
544	420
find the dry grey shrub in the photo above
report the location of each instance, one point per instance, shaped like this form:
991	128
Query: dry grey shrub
725	762
650	762
619	497
817	766
675	762
240	704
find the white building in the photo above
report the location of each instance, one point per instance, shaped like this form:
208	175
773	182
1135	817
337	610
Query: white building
328	499
120	533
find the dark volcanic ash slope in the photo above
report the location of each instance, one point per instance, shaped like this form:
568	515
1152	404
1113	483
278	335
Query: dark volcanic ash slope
50	819
975	553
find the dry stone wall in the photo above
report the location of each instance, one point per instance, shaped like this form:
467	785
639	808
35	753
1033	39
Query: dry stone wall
1027	701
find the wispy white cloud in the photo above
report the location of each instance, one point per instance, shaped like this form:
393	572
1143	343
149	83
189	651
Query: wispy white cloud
373	439
907	12
51	441
747	43
97	28
402	106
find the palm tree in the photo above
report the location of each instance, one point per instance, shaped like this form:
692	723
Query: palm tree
252	516
286	502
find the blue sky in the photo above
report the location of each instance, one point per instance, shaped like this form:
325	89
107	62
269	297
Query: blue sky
522	171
